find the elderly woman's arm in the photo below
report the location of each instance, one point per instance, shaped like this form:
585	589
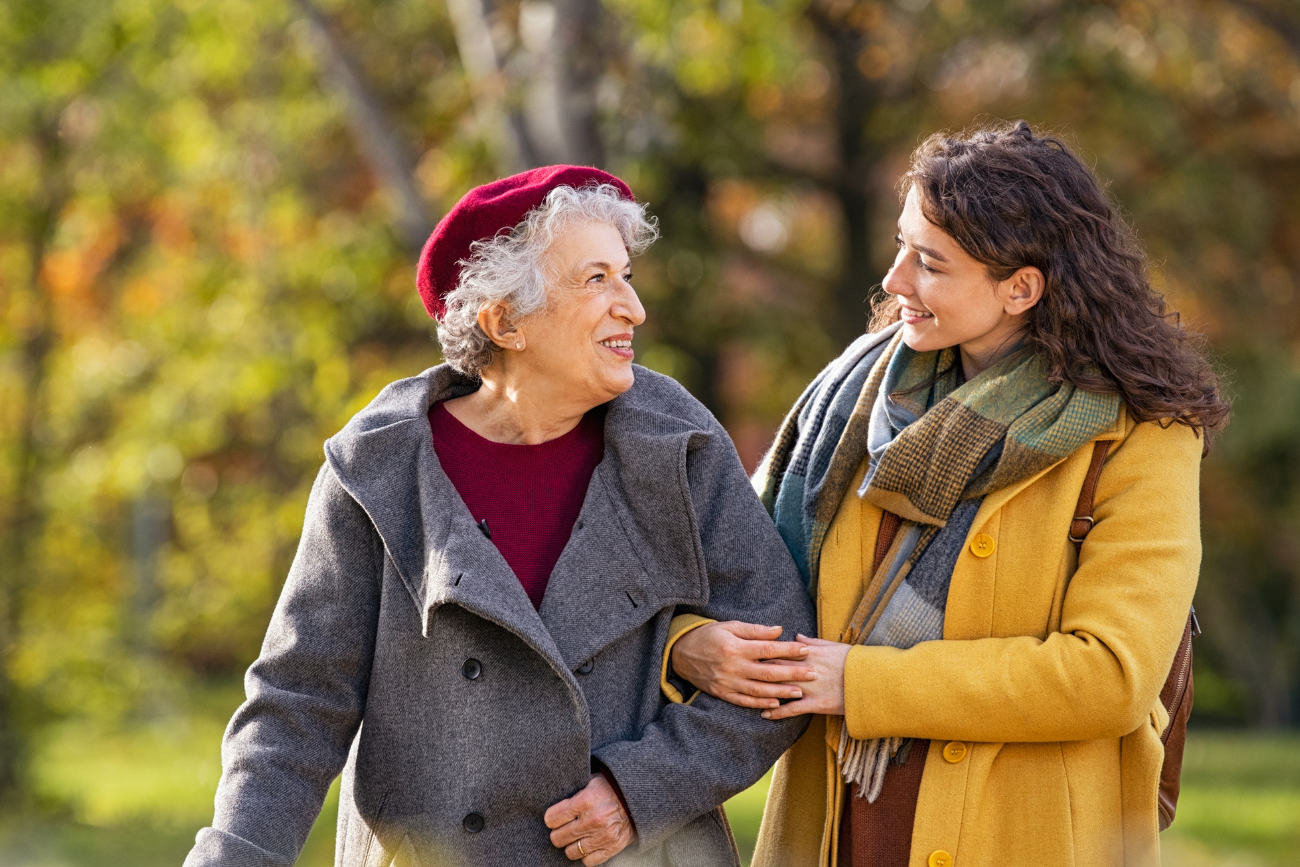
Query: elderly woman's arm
306	692
695	756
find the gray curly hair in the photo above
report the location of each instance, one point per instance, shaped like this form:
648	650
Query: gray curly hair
512	267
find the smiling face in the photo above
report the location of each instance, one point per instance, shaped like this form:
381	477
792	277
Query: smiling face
581	344
949	299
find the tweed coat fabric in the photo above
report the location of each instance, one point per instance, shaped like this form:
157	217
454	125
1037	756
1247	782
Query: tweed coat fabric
396	598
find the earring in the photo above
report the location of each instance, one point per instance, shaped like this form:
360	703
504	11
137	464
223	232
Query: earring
519	346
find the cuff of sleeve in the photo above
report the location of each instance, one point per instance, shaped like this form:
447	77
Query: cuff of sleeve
213	847
682	624
866	690
598	767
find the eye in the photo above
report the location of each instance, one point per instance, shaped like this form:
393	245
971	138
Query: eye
923	266
597	278
627	278
898	239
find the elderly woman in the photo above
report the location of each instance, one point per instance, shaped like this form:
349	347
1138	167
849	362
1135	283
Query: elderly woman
492	556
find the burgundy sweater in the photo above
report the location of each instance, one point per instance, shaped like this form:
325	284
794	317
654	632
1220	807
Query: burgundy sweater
530	495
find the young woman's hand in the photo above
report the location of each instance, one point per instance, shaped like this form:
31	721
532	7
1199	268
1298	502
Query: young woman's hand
742	663
825	693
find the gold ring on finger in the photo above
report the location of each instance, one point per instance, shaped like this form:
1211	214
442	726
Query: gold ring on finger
580	852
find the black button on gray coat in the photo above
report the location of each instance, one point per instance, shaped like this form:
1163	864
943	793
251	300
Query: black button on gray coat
405	652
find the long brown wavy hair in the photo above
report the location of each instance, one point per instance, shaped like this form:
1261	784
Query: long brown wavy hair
1012	198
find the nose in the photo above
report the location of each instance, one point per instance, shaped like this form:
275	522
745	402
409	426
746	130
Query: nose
894	283
628	306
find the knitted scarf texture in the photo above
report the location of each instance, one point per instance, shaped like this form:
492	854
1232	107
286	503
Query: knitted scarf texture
935	446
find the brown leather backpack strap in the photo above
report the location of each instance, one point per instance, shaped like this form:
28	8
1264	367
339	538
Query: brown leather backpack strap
1082	522
1176	695
889	524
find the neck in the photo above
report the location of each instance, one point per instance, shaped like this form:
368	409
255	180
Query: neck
516	409
978	356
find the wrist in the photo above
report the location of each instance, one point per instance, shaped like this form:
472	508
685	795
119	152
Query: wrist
598	767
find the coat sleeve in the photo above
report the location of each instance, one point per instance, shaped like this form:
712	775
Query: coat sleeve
694	756
1121	620
305	693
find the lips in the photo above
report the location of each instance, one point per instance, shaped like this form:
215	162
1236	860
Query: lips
619	344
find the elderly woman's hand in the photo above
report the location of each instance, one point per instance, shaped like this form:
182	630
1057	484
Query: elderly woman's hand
592	826
730	661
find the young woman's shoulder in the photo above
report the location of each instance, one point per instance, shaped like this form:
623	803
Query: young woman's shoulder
1154	448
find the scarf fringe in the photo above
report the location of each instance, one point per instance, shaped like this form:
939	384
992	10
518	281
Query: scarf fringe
864	762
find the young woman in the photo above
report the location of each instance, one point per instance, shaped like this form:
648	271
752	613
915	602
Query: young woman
984	695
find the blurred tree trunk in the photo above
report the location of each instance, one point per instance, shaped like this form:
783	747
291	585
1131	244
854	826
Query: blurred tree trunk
688	323
375	137
580	59
847	315
24	518
503	125
150	517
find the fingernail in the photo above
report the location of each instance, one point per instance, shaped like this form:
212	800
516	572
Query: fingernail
798	694
803	651
812	675
767	714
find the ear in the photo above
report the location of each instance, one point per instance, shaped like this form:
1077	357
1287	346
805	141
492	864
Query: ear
1022	290
496	324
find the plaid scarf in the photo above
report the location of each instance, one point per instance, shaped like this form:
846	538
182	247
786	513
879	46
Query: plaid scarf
935	446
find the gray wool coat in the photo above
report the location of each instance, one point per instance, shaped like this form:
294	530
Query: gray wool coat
404	652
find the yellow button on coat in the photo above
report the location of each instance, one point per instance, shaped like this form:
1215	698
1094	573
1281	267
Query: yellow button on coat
982	545
954	751
940	858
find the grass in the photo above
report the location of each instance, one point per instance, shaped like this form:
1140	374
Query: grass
137	797
1240	801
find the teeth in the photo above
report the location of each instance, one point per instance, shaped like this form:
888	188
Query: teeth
617	344
918	313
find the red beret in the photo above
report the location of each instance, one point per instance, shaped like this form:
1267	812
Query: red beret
482	213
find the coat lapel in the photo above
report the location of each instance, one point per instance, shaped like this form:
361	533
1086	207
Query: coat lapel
385	459
634	550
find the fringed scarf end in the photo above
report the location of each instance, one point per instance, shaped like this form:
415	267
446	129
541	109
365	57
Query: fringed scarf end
864	762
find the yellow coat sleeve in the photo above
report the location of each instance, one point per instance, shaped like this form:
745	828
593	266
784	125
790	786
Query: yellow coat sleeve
682	624
1122	617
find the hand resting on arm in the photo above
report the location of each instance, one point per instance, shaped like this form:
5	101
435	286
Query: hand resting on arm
743	663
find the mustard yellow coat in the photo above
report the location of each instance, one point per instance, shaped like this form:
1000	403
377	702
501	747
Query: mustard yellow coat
1042	701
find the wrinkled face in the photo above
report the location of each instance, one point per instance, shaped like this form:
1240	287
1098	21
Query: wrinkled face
947	296
582	342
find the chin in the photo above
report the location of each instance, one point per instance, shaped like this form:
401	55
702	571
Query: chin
621	382
919	340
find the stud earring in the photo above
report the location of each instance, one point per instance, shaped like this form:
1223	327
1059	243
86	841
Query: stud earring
519	346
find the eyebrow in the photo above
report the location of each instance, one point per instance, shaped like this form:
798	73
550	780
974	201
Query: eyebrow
605	266
926	250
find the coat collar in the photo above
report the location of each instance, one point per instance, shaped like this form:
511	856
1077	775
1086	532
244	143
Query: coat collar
635	547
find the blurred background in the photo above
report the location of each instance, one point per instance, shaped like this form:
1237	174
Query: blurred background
210	212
